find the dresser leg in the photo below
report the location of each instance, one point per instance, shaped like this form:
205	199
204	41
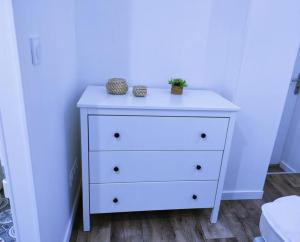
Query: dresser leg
85	169
214	215
86	223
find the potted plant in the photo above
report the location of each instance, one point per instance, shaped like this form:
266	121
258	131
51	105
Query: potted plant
177	85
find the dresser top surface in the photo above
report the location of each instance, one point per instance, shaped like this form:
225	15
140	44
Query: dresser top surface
156	99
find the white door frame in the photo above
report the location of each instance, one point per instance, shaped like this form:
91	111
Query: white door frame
15	155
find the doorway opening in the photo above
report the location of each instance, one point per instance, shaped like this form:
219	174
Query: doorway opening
7	230
286	153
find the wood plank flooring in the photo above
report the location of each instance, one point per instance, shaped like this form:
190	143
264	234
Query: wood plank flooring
238	220
275	168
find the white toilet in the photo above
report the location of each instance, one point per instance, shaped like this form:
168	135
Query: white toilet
280	220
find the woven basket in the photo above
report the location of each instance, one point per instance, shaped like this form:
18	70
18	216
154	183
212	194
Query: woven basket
139	91
117	86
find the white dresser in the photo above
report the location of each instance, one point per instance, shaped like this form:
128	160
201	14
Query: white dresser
159	152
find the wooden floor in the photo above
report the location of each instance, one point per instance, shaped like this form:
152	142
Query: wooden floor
238	220
275	168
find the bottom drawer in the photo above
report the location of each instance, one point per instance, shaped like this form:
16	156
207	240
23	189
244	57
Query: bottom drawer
143	196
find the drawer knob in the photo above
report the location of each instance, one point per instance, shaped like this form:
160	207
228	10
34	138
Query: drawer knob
115	200
195	197
117	135
116	169
198	167
203	135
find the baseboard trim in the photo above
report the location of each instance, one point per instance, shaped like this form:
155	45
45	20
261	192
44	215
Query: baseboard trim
242	195
73	214
286	167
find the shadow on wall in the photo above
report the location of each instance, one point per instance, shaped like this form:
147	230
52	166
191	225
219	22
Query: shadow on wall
235	158
103	39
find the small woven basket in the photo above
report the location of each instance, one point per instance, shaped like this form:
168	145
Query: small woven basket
117	86
139	91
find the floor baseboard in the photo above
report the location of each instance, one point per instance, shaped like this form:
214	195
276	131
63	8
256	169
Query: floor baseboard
286	167
242	195
73	215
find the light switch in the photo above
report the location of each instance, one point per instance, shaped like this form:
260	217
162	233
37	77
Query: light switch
35	46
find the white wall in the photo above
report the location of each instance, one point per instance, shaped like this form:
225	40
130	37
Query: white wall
271	46
150	41
51	91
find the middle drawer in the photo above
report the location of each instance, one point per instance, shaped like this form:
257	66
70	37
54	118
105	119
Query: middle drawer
135	166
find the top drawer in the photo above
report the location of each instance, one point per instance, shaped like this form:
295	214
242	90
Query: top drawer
156	133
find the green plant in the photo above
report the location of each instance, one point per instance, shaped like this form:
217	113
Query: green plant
178	82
